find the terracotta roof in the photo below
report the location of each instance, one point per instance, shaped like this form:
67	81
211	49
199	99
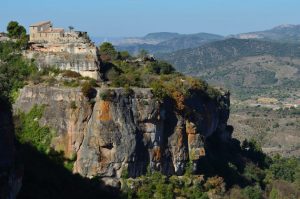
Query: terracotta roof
40	23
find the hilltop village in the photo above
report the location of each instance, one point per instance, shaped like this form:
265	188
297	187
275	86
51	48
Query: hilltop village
67	50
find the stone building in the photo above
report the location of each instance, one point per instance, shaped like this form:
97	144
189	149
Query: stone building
67	50
44	32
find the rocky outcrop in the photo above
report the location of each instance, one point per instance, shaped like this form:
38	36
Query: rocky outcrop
81	58
120	131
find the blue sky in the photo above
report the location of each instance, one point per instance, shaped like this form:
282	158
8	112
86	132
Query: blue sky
112	18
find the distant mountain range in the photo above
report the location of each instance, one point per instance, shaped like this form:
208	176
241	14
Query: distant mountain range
217	53
282	33
249	67
164	42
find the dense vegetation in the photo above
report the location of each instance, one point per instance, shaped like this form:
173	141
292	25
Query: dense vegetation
14	69
234	172
144	71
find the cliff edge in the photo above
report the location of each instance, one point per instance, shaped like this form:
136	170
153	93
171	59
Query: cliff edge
120	131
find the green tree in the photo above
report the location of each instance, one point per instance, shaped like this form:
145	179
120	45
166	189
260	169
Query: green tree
107	51
252	192
284	168
15	30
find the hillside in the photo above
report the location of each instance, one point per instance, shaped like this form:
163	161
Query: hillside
166	42
282	33
236	64
221	52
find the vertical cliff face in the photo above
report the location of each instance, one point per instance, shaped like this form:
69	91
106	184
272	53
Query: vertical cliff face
121	130
85	63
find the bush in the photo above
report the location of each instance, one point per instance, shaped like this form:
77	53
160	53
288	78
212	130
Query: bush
284	169
160	67
88	90
29	130
252	192
106	95
158	90
71	74
124	55
14	69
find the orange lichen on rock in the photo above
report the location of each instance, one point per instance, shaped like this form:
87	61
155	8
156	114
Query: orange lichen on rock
104	111
156	154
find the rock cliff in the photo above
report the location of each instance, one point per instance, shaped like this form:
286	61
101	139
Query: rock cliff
121	131
81	58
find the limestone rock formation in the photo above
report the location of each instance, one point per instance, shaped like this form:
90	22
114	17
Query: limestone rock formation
120	130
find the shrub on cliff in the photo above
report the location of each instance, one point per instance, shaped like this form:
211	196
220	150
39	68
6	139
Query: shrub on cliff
14	69
160	67
88	90
71	74
30	131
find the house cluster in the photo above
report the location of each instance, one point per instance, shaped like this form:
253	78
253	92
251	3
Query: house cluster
67	50
43	32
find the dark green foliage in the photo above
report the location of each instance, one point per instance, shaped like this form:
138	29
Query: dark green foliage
252	192
71	74
107	95
14	70
124	55
107	51
88	90
287	169
30	132
15	30
252	149
158	90
160	67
